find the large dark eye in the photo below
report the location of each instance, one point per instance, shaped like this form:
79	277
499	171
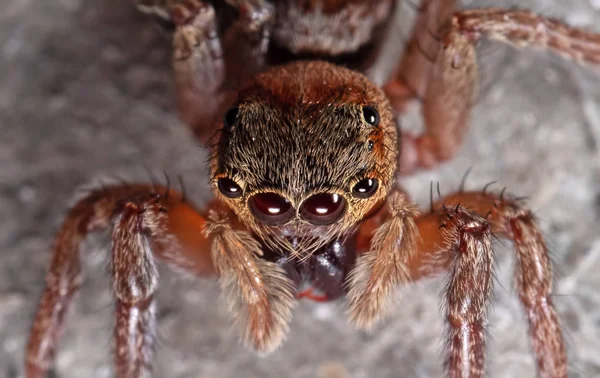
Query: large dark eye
323	209
365	188
271	208
229	188
371	115
231	117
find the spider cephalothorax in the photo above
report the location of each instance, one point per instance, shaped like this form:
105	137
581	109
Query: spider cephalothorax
306	153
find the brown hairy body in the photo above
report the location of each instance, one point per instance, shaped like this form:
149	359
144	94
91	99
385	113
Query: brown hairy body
304	169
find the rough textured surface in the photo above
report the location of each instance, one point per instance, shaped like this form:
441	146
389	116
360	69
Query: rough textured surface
85	93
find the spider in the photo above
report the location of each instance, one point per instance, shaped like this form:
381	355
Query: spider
304	169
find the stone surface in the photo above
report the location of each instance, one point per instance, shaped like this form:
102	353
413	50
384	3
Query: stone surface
85	93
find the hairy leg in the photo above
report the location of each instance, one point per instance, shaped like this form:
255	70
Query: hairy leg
533	274
151	223
440	68
455	237
132	264
259	293
412	74
465	239
199	67
387	242
135	281
462	248
246	42
208	67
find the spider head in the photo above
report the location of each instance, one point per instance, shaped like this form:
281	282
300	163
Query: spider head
309	149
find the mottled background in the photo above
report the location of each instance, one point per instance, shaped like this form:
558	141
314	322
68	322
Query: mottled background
85	93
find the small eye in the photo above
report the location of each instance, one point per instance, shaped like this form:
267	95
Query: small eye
271	208
371	115
365	188
231	116
229	188
323	209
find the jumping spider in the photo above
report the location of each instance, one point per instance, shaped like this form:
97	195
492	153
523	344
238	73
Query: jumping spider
304	171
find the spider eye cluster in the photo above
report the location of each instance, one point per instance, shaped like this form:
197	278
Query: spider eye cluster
320	209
